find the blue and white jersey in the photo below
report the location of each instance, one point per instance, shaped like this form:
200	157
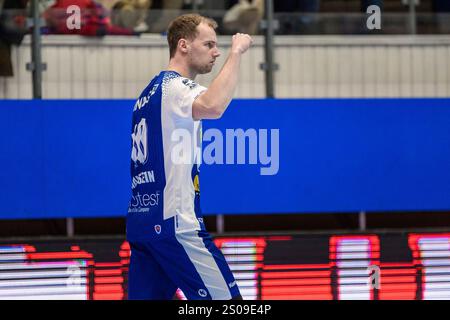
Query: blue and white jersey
166	144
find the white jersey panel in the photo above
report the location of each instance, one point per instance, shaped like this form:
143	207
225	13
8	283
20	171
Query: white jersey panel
179	132
205	265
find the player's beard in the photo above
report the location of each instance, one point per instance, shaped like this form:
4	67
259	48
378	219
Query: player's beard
206	68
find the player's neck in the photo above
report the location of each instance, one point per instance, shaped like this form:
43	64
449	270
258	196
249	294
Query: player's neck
181	68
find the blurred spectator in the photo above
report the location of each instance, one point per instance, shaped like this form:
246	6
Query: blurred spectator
367	3
12	30
244	16
94	19
308	20
108	4
164	11
131	14
296	6
441	6
303	23
442	10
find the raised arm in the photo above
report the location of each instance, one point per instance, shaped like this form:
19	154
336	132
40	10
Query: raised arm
215	100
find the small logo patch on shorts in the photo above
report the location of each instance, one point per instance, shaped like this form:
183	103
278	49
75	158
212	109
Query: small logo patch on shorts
202	293
158	229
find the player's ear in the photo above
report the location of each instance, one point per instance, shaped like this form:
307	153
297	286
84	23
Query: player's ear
183	45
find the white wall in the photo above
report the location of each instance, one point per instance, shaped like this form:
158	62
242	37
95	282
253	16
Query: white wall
309	66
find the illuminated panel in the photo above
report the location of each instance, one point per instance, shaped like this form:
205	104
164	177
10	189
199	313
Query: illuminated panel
431	254
351	256
108	281
245	257
398	281
342	274
23	276
296	282
124	254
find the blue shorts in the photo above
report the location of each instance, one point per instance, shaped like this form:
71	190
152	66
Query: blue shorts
189	261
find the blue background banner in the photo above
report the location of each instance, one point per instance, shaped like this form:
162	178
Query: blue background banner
70	158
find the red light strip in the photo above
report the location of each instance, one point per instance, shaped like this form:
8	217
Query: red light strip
295	274
106	273
299	290
321	296
109	288
296	266
59	255
255	242
296	282
125	246
108	280
238	250
108	264
107	296
397	295
279	238
409	287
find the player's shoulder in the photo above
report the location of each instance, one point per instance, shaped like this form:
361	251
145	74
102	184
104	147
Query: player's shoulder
169	76
191	84
176	81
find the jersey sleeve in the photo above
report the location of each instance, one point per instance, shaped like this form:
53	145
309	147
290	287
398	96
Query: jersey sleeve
183	92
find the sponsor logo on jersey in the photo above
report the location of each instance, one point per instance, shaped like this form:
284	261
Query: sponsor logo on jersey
142	102
138	210
143	177
139	152
202	293
189	83
196	184
143	202
158	229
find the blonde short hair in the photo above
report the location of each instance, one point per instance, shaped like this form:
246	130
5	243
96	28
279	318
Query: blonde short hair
185	27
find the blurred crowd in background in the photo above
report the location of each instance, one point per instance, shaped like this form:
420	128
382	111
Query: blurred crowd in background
293	17
129	17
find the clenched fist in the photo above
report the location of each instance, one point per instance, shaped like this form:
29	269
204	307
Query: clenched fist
241	42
